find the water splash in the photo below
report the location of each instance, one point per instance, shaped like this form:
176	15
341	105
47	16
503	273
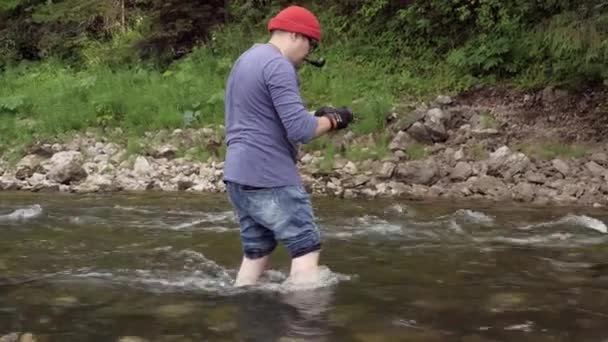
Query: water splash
472	216
203	274
23	213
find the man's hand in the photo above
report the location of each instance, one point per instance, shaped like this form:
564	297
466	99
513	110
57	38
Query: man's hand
339	117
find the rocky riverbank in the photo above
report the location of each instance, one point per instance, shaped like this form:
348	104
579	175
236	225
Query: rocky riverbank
449	148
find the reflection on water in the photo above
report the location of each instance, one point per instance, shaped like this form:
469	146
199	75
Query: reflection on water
160	267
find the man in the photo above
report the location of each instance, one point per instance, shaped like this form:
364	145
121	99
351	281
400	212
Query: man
265	122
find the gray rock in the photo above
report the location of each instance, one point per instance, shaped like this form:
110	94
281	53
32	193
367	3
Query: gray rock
44	150
459	155
573	190
460	189
65	167
307	159
36	178
461	172
506	164
435	115
9	183
369	193
27	337
425	172
349	194
408	120
28	165
400	155
524	192
111	149
12	337
488	185
350	168
95	183
387	170
167	151
444	100
419	133
600	158
535	177
480	168
419	191
357	181
132	339
65	157
399	189
561	166
484	133
550	94
435	123
142	166
400	141
436	131
595	169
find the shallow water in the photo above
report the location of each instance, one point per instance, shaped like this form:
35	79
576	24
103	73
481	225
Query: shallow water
160	266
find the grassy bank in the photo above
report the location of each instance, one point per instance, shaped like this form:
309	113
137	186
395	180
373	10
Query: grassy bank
367	70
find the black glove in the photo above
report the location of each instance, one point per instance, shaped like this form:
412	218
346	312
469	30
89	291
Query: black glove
339	117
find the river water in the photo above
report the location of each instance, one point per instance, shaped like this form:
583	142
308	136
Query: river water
160	267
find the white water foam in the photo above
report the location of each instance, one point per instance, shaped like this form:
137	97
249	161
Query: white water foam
473	216
364	225
23	213
208	277
574	220
134	209
208	218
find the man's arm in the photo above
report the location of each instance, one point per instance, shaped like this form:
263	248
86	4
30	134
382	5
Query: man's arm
282	83
323	126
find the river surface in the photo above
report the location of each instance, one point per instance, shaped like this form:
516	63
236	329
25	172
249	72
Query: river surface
160	266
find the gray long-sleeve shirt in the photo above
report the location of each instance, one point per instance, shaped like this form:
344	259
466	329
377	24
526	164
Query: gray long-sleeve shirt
265	119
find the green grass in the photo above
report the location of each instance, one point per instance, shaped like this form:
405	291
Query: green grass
488	121
416	151
326	164
551	150
376	151
48	101
479	152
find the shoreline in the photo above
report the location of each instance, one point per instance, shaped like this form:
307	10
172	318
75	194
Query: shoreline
443	150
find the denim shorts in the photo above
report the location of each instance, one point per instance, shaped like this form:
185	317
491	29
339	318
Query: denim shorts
270	215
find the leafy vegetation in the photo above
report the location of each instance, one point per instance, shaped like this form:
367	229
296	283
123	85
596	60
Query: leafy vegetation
143	65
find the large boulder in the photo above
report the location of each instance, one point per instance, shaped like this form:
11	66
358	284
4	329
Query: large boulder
66	167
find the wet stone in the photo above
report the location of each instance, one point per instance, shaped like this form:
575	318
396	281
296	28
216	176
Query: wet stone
132	339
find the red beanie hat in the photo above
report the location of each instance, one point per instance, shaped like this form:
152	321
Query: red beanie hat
297	19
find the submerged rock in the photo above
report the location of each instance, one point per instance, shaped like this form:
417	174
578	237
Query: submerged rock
132	339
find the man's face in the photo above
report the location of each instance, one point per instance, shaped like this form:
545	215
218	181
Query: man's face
302	47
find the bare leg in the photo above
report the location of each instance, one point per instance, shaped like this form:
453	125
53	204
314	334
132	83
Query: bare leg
251	270
305	269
